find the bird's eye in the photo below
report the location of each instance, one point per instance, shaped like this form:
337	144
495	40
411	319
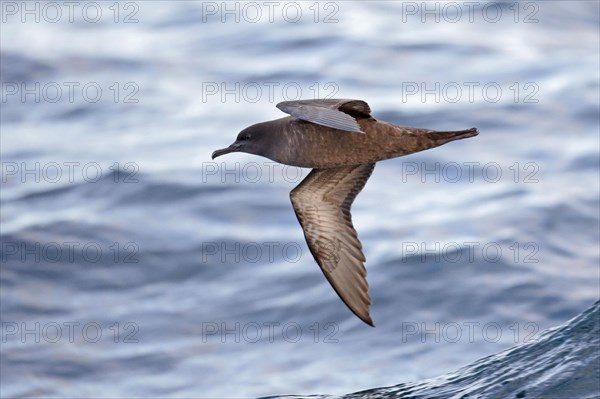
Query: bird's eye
246	137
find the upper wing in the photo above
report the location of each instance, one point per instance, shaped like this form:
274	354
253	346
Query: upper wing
335	113
322	204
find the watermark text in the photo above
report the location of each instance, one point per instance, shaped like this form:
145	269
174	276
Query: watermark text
69	331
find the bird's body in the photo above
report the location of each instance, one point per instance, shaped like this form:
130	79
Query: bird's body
341	141
308	145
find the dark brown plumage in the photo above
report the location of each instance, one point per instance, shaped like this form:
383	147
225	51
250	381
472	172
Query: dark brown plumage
341	141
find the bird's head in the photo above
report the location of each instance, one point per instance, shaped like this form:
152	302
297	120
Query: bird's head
252	140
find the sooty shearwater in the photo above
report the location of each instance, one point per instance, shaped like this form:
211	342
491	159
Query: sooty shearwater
341	142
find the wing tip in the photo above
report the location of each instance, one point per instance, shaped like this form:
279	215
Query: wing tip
364	317
368	321
355	128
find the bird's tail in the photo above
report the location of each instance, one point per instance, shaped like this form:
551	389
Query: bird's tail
456	135
445	137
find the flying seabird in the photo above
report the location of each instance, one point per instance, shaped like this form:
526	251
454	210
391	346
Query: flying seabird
341	142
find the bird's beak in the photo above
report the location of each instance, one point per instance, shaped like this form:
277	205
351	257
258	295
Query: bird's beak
232	148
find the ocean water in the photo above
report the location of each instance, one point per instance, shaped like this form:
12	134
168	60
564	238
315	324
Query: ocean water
132	265
560	363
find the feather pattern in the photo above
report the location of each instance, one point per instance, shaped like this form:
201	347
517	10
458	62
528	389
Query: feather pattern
322	203
335	113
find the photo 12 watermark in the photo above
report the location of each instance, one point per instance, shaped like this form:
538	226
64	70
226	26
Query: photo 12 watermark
470	92
53	332
68	172
253	92
252	12
70	92
469	12
470	252
68	252
467	331
454	172
53	12
253	332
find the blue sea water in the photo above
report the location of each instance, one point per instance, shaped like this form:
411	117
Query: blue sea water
132	265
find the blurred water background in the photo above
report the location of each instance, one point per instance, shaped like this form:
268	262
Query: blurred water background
135	266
